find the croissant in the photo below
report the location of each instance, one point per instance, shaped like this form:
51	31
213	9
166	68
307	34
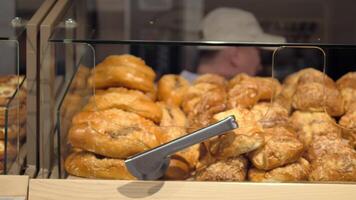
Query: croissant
232	169
246	138
282	147
173	125
172	88
297	171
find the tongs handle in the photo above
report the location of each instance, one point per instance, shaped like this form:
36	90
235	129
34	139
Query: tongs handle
183	142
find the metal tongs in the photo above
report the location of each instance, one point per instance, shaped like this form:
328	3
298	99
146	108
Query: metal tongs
152	164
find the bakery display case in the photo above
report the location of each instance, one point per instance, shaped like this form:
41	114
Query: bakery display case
13	96
18	39
127	77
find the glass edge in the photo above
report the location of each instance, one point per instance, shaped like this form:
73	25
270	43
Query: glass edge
198	43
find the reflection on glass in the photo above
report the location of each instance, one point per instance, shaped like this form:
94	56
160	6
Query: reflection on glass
317	22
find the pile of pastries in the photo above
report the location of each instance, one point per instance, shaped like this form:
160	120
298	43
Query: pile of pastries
301	130
12	115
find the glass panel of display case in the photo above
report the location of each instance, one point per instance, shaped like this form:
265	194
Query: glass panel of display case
210	22
14	18
140	89
70	93
319	94
163	69
12	107
255	91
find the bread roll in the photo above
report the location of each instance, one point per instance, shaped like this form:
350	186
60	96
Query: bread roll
113	133
123	71
89	165
128	100
133	62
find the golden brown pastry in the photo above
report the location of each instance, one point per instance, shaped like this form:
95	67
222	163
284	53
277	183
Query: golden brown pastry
11	150
246	91
348	124
8	86
237	79
304	76
246	138
347	81
232	169
172	88
11	80
13	131
15	115
129	72
174	122
292	79
197	92
282	147
315	76
127	100
113	133
349	96
80	80
268	87
310	75
285	97
133	62
317	97
201	102
2	149
89	165
310	125
72	104
6	92
245	94
332	160
270	114
334	167
212	79
297	171
173	125
315	92
324	145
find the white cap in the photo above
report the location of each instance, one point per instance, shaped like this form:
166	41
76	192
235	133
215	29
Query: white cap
234	25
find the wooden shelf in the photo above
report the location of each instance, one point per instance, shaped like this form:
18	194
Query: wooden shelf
13	187
53	189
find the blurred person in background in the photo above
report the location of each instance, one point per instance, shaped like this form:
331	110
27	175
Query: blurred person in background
232	25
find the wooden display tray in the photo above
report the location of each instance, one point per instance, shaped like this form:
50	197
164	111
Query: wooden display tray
13	187
56	189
